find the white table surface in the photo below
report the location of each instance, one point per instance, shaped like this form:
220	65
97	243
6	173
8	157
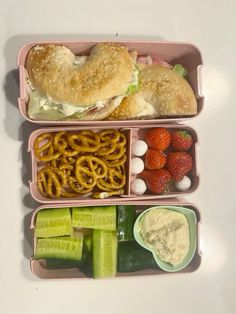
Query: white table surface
209	24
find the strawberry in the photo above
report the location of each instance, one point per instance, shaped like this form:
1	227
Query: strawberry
154	159
181	140
157	180
158	138
178	164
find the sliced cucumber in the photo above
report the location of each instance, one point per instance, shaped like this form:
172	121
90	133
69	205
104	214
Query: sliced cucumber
67	263
53	222
103	217
54	263
132	257
61	247
104	253
126	216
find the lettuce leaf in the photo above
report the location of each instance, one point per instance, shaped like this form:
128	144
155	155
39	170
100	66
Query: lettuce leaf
179	69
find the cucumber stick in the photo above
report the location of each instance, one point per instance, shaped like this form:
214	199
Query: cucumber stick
53	222
67	263
126	216
104	253
54	263
103	217
61	247
132	257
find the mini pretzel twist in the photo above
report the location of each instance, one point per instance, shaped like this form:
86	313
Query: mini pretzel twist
60	142
115	179
86	170
50	181
84	141
46	151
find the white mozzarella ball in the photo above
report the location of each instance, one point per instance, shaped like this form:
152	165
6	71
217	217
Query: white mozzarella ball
184	184
139	148
137	165
138	186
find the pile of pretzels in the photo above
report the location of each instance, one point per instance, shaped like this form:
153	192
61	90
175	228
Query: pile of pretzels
77	163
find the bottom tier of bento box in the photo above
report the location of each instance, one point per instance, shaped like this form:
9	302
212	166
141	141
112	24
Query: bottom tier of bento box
115	240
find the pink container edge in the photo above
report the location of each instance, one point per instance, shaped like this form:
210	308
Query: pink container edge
160	42
43	273
196	81
126	197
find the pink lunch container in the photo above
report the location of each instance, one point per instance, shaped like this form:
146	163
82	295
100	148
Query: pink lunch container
38	267
132	134
172	52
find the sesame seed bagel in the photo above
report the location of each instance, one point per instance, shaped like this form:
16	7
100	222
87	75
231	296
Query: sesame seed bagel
166	92
134	107
105	74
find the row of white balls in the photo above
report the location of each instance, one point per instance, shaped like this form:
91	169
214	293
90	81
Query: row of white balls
139	187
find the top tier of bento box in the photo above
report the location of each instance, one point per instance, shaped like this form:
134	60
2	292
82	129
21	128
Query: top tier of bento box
185	54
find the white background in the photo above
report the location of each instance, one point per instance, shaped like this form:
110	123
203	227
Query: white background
210	25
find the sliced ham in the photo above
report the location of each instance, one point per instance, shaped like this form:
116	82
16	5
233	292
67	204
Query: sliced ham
152	60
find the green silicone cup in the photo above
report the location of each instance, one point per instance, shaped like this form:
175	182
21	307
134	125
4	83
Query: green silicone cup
192	222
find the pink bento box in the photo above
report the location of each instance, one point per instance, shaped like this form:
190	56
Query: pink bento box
172	52
38	266
132	133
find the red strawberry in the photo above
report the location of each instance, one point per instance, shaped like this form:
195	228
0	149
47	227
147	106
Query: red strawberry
181	140
157	180
178	164
158	138
154	159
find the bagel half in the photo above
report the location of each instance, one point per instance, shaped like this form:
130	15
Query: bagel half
162	93
74	90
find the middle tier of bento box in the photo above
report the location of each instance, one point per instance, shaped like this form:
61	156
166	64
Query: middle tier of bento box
98	164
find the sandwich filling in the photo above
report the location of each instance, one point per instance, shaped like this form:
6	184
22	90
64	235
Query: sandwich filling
43	107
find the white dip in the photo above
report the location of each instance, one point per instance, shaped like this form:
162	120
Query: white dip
167	233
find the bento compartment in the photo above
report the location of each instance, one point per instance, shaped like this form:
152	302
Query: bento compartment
171	52
129	267
142	190
127	192
82	173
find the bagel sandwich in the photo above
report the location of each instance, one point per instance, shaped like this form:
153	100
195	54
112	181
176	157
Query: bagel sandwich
163	93
64	86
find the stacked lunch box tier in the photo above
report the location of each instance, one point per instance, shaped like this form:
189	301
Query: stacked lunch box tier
95	198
